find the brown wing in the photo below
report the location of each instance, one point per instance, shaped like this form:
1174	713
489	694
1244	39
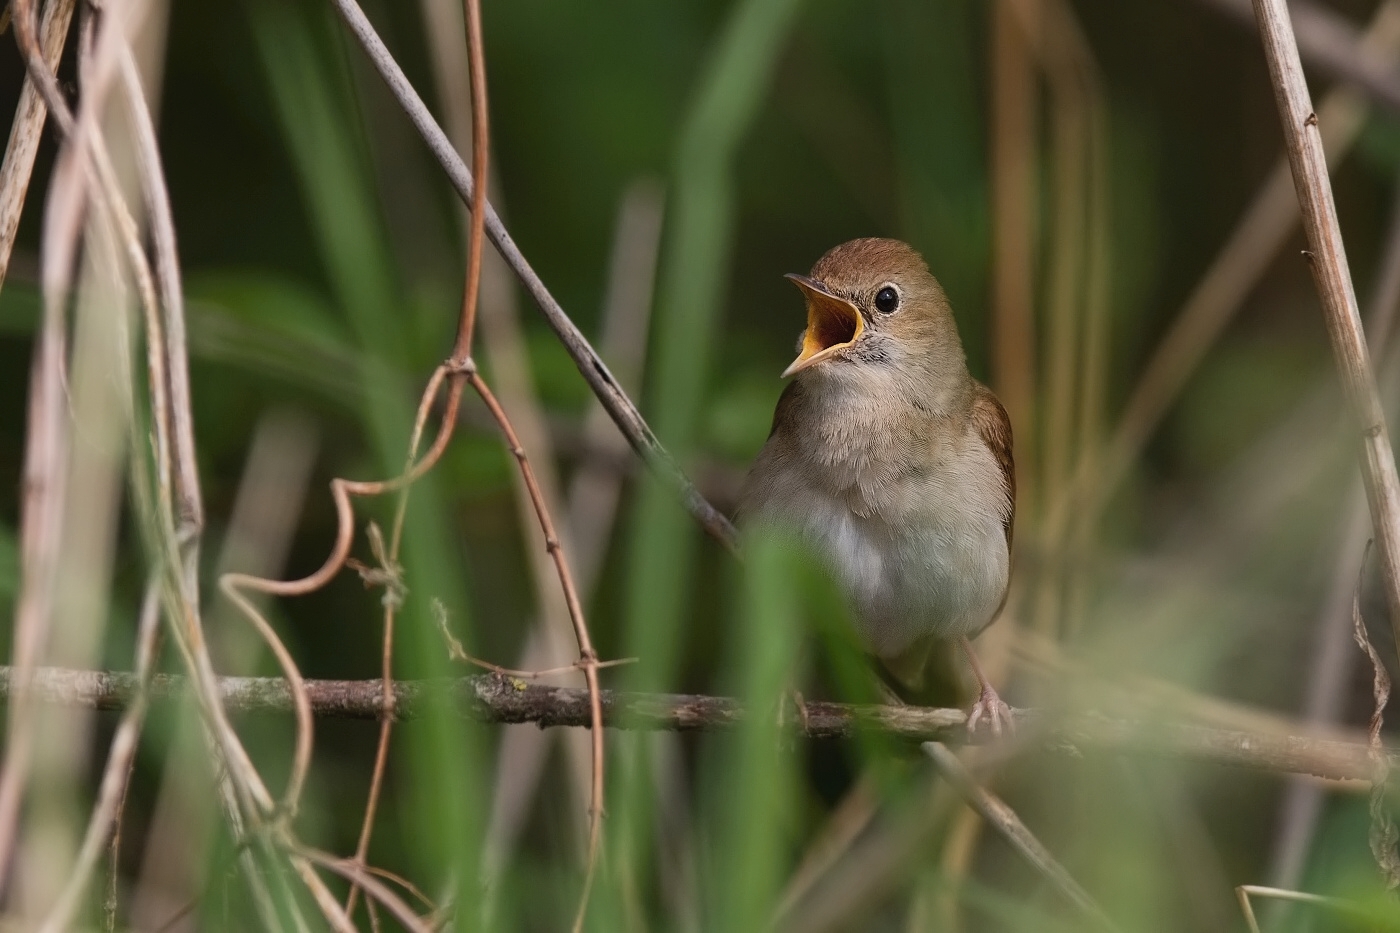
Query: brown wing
992	423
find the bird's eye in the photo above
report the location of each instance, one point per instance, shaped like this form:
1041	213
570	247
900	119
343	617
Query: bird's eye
887	300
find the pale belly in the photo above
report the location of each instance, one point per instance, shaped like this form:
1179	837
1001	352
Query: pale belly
941	576
931	565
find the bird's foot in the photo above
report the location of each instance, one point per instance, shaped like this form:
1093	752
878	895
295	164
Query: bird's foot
991	708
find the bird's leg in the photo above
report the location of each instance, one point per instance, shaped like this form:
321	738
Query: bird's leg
988	703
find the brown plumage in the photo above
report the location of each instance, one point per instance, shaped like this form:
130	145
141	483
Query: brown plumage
892	461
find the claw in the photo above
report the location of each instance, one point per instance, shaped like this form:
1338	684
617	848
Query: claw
988	704
994	710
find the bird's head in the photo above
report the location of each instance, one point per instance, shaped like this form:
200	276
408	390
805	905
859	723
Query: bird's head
872	306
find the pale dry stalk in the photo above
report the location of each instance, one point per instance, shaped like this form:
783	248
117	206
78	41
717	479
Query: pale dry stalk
1245	891
177	514
100	409
111	794
1013	176
260	528
27	130
1221	291
189	505
1077	293
1333	657
1009	826
1327	257
42	500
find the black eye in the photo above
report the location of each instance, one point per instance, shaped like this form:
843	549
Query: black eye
887	300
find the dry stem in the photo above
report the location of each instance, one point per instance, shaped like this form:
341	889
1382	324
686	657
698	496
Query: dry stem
106	814
594	371
587	656
45	459
27	130
459	369
1221	291
1327	256
1005	821
1009	826
461	352
481	143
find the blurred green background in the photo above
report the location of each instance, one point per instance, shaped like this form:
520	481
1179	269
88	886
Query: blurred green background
323	250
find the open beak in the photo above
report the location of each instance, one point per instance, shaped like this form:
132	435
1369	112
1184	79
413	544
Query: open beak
832	324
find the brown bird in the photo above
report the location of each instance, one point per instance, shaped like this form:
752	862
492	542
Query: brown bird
892	462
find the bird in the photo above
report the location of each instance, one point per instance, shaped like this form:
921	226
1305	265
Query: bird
888	460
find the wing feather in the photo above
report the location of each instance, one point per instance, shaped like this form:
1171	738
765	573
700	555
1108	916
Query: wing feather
994	427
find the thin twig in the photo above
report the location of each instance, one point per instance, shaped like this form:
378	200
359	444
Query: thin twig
404	883
45	460
461	351
27	130
522	755
190	514
1328	259
106	813
481	145
388	574
593	493
1009	826
175	527
87	154
233	584
1243	892
373	887
594	371
587	655
457	653
301	759
339	920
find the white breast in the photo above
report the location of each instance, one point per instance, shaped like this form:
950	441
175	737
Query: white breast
919	553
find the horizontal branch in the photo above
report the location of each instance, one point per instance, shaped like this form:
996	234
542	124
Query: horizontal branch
498	699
